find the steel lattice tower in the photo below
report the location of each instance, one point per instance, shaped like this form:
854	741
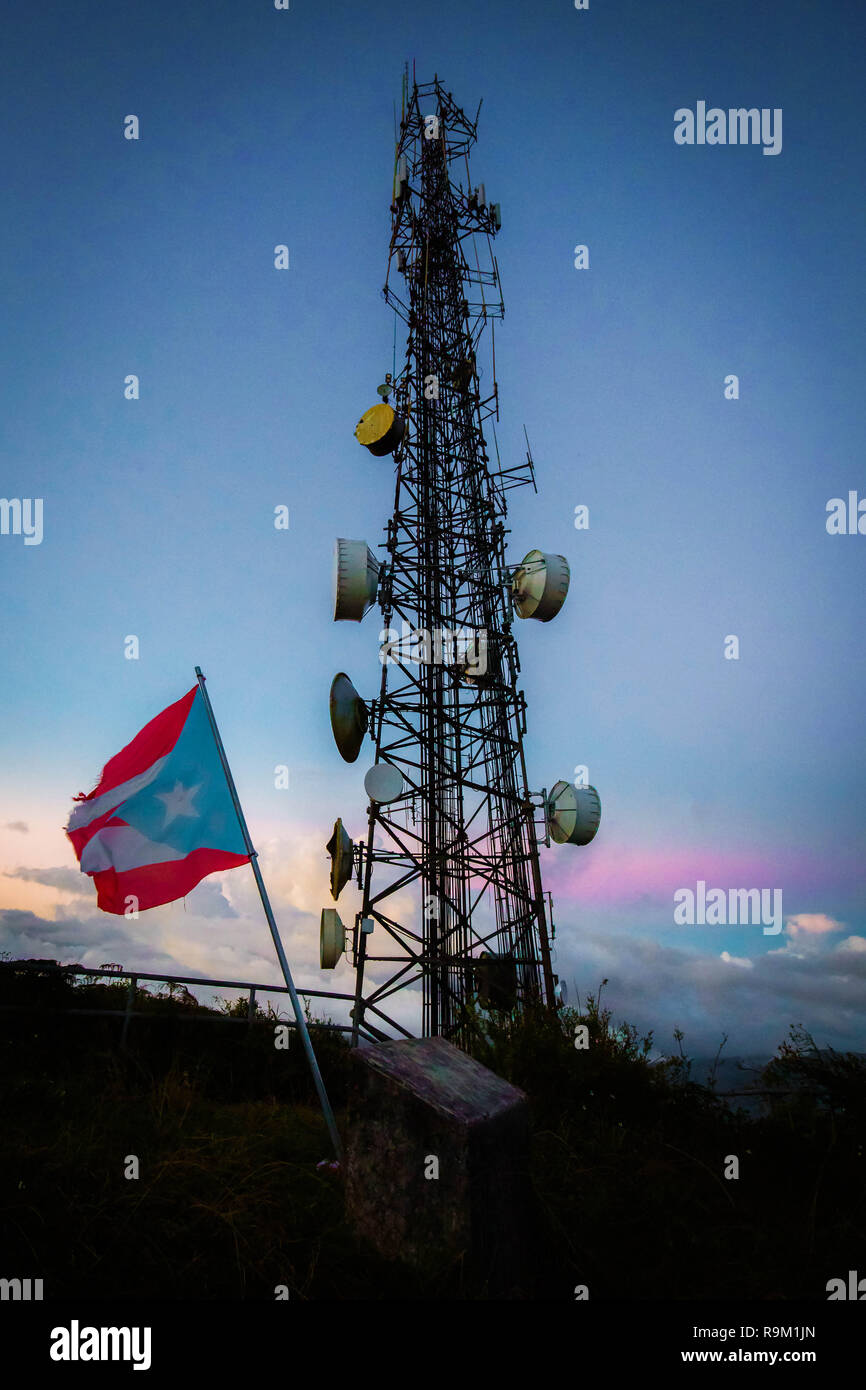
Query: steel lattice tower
461	841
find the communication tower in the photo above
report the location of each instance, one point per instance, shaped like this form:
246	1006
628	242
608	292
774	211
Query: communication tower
452	900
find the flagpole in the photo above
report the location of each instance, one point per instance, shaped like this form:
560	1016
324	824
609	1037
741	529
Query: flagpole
281	955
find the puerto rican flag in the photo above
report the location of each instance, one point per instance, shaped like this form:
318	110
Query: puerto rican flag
161	818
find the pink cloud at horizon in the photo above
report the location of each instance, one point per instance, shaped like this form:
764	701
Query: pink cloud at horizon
618	874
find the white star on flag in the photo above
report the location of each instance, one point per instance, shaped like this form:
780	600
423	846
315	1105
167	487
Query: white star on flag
178	802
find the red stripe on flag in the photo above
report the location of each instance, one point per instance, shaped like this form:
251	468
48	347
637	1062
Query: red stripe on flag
155	884
155	740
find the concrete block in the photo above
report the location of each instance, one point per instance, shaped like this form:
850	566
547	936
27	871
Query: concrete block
437	1150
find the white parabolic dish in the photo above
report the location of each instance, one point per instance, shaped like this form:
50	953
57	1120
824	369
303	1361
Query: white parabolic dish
573	814
383	783
356	576
332	938
540	585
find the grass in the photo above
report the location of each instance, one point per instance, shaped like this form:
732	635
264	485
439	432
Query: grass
628	1162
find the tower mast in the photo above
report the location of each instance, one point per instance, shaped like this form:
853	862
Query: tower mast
452	892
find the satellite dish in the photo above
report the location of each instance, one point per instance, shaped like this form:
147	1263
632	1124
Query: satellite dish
349	717
340	849
380	428
332	938
356	578
539	585
573	813
383	783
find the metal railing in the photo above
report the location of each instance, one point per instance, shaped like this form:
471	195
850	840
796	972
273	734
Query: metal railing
132	978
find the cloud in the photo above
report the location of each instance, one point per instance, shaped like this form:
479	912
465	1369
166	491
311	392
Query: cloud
815	974
641	876
853	944
219	930
738	960
812	924
659	987
205	900
63	936
20	825
89	941
208	900
65	880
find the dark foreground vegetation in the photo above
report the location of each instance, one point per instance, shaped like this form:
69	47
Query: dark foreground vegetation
628	1160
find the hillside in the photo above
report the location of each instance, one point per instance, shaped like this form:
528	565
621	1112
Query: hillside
628	1161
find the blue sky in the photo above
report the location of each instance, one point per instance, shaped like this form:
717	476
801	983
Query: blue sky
707	516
